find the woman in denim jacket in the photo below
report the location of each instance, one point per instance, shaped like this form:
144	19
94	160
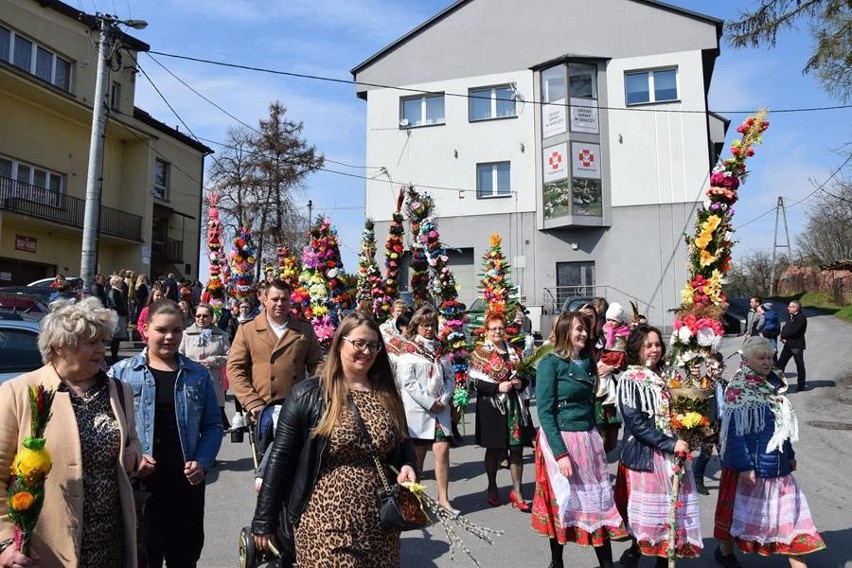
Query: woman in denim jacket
761	507
180	428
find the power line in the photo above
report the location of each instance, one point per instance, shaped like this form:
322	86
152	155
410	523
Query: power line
808	196
469	96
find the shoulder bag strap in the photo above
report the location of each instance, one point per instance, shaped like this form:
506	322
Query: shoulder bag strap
370	447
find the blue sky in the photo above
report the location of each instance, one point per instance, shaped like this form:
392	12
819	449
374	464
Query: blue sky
329	37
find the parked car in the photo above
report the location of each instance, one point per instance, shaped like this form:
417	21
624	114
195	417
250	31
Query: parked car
46	282
21	299
572	304
18	346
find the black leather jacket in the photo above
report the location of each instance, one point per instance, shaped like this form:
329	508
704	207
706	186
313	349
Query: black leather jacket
641	438
296	457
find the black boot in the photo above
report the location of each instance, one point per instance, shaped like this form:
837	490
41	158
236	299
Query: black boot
630	557
604	554
556	554
699	465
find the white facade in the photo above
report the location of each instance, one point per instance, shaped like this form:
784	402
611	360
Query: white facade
599	191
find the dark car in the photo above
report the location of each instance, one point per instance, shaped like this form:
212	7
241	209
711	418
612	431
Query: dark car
573	304
18	347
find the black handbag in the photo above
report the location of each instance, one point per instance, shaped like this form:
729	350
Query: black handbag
399	508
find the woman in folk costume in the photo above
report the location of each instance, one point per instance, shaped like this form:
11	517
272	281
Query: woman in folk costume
426	380
501	421
573	497
761	507
644	481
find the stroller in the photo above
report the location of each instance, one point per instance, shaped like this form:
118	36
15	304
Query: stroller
261	435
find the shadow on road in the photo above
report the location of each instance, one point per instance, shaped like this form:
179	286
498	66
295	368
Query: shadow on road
419	548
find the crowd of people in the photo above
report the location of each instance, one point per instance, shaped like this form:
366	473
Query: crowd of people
132	444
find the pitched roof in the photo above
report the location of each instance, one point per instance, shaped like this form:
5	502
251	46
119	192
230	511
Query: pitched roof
447	12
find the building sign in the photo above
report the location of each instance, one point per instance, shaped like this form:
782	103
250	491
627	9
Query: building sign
26	244
584	116
553	118
555	162
585	160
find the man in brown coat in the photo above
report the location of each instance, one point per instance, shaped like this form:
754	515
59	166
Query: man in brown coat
271	353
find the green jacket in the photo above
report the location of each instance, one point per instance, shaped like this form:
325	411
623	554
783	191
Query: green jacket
565	398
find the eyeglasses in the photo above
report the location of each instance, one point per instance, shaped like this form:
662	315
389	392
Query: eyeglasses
202	316
365	346
428	325
497	329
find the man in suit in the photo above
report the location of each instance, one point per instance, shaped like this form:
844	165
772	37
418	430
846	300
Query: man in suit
753	317
272	352
793	337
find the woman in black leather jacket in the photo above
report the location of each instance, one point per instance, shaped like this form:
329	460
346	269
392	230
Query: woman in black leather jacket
320	465
644	479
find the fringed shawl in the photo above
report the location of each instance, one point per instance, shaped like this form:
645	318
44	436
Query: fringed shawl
747	397
641	388
489	365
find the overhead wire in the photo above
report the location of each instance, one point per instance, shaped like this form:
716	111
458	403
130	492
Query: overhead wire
469	96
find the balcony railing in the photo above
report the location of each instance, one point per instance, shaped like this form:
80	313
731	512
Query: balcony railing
41	203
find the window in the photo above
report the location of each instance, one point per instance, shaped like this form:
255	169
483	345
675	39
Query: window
493	180
651	86
583	80
35	59
491	102
161	179
19	351
115	96
23	53
421	111
574	280
32	182
5	43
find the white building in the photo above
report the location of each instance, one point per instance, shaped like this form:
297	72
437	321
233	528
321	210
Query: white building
579	131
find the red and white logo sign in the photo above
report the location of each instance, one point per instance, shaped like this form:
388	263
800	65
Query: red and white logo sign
555	163
586	158
555	160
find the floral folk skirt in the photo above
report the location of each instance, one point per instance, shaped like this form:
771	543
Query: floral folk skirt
770	517
644	500
589	512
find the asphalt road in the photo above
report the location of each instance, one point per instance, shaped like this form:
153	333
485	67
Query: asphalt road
824	454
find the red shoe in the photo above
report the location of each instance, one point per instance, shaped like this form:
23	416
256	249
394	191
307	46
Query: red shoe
494	501
519	503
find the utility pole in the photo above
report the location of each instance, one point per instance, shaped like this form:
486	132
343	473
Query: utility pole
310	217
94	181
779	210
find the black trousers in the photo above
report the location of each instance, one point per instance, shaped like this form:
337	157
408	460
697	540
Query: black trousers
173	526
798	355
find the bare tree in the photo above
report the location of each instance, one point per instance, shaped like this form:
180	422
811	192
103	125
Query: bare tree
828	234
831	28
752	274
258	175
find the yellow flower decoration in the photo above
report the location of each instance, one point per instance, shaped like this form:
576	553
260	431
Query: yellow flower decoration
495	240
686	295
707	258
32	465
691	420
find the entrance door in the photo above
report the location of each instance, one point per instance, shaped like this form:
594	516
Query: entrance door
574	280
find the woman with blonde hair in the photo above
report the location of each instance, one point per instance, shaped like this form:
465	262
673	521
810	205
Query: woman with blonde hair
573	496
88	518
321	460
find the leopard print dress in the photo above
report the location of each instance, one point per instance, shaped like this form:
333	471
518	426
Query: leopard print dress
102	543
340	526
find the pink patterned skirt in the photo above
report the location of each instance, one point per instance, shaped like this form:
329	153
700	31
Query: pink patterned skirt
644	499
770	517
587	514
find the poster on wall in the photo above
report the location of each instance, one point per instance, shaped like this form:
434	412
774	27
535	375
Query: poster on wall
26	244
553	118
555	162
584	116
585	160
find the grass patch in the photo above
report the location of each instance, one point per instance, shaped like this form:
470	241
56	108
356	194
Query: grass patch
824	302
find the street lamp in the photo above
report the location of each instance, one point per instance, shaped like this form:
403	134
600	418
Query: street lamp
108	25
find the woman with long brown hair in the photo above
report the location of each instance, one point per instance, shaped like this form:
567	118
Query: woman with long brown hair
573	497
322	463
